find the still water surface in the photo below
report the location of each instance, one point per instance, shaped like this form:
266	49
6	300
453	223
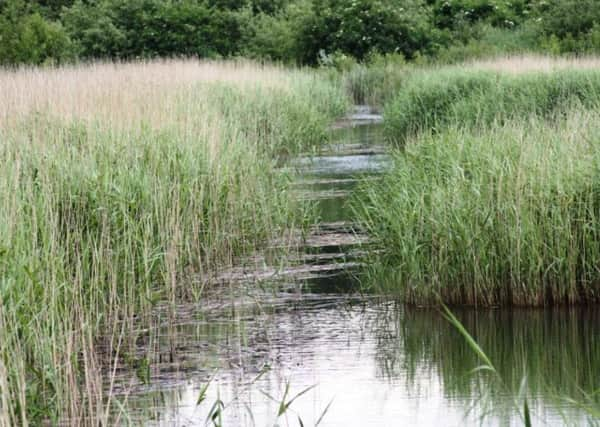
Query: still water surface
377	362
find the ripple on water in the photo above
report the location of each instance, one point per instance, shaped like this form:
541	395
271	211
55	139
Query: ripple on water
376	362
381	364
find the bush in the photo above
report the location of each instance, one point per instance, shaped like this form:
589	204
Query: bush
488	41
151	28
275	37
564	18
357	28
30	39
296	31
94	30
569	26
456	14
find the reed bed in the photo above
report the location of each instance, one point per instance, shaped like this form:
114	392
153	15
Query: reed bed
522	64
377	82
480	94
124	185
384	79
507	215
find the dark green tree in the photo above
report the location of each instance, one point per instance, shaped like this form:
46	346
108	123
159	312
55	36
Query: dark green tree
27	38
358	27
568	18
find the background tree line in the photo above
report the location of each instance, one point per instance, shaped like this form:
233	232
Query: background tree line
294	31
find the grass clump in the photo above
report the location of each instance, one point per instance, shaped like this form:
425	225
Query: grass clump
480	94
508	215
125	185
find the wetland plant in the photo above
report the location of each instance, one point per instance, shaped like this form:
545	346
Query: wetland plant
123	185
507	215
483	94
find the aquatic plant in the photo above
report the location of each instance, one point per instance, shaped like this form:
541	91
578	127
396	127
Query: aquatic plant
128	184
377	81
484	93
508	215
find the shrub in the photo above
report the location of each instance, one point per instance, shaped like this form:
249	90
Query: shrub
276	36
486	41
358	27
30	39
564	18
456	14
93	28
151	28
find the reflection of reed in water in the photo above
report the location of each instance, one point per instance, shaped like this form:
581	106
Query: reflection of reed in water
555	350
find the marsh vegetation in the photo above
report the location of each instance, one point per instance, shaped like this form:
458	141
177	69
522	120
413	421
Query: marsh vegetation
126	185
136	192
493	196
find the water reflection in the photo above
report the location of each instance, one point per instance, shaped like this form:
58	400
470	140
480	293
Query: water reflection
355	153
381	365
374	361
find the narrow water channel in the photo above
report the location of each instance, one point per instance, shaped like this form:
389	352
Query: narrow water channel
356	360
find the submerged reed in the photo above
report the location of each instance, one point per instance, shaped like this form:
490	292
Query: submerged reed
123	185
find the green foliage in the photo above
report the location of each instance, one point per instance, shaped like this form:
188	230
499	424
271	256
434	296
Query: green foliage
93	28
487	41
276	37
303	31
151	28
569	26
52	8
358	27
454	14
508	214
433	101
493	198
29	38
269	7
568	17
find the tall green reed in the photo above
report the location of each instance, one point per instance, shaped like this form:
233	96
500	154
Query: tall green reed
101	218
437	99
502	216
